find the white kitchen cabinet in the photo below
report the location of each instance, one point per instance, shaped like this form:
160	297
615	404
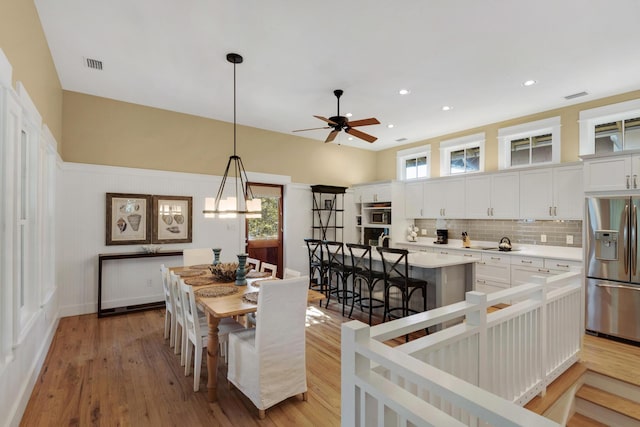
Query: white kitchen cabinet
444	198
493	272
492	196
372	193
524	268
552	193
612	173
414	200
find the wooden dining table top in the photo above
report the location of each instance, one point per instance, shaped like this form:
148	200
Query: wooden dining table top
234	304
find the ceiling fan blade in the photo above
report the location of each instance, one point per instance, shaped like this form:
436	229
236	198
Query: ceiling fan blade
324	119
302	130
361	135
364	122
332	135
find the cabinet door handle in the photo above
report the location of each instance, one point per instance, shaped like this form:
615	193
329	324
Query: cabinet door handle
491	211
562	265
555	211
627	176
421	214
543	270
488	211
497	258
550	211
467	255
526	262
481	262
635	181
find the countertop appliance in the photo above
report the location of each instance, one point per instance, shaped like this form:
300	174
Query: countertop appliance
613	276
442	236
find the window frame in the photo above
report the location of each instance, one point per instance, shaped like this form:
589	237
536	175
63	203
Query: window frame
450	145
412	153
589	119
528	130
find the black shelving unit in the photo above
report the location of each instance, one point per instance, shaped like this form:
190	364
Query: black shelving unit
328	212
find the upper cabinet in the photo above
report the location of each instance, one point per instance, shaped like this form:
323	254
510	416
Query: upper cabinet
552	193
414	199
444	198
492	196
372	193
612	173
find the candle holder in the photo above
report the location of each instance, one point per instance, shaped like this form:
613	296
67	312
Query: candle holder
216	256
241	272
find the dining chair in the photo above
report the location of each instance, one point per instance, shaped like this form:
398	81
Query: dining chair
253	264
396	275
179	339
266	267
195	256
268	363
363	273
169	312
197	333
290	273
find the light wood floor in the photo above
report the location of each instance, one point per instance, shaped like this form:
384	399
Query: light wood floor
119	371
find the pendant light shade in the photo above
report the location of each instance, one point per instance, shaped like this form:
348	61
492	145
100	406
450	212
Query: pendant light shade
241	202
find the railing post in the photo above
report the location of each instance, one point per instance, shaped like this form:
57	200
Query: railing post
351	365
478	318
541	296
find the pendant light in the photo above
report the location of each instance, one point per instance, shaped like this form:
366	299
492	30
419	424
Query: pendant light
242	201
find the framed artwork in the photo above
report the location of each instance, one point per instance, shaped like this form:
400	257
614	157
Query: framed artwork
171	219
128	219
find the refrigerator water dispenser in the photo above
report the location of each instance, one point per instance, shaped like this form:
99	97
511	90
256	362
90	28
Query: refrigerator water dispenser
606	245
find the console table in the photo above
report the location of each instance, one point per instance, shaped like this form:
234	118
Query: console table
127	255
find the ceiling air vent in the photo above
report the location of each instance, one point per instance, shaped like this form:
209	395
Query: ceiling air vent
401	140
576	95
93	63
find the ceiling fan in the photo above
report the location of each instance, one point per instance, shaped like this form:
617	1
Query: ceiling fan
339	123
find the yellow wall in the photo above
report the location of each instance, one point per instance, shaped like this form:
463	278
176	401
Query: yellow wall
103	131
24	44
570	137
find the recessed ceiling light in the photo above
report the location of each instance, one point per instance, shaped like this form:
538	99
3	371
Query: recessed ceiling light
350	138
390	125
446	108
404	91
529	82
349	114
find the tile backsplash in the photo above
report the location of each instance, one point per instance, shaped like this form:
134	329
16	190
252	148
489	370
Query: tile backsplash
518	231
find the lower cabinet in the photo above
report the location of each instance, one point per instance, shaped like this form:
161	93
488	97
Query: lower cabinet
493	273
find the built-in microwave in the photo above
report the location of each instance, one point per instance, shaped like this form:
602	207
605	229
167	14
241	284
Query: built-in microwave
380	217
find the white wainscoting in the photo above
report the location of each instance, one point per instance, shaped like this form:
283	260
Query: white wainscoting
81	232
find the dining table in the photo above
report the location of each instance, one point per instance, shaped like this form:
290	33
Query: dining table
228	305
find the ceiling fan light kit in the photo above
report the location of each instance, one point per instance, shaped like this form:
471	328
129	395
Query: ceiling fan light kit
339	123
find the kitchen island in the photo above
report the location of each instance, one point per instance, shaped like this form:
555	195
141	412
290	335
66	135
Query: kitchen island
450	276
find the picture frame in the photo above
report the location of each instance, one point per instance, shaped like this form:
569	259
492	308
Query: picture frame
128	219
172	219
328	204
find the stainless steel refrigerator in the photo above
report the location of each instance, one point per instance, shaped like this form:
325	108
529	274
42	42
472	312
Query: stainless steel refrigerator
613	271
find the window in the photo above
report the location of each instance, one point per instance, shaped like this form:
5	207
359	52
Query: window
533	143
414	163
462	155
610	128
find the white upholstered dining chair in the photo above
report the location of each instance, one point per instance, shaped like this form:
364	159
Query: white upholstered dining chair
268	363
195	256
290	273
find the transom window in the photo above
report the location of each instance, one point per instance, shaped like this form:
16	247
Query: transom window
610	128
533	143
462	155
414	163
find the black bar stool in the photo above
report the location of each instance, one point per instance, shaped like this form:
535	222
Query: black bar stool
338	275
396	275
361	266
318	266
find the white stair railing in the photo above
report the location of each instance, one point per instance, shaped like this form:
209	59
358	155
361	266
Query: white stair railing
477	372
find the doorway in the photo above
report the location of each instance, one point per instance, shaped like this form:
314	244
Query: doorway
264	235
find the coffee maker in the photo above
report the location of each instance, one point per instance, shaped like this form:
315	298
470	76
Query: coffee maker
442	237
